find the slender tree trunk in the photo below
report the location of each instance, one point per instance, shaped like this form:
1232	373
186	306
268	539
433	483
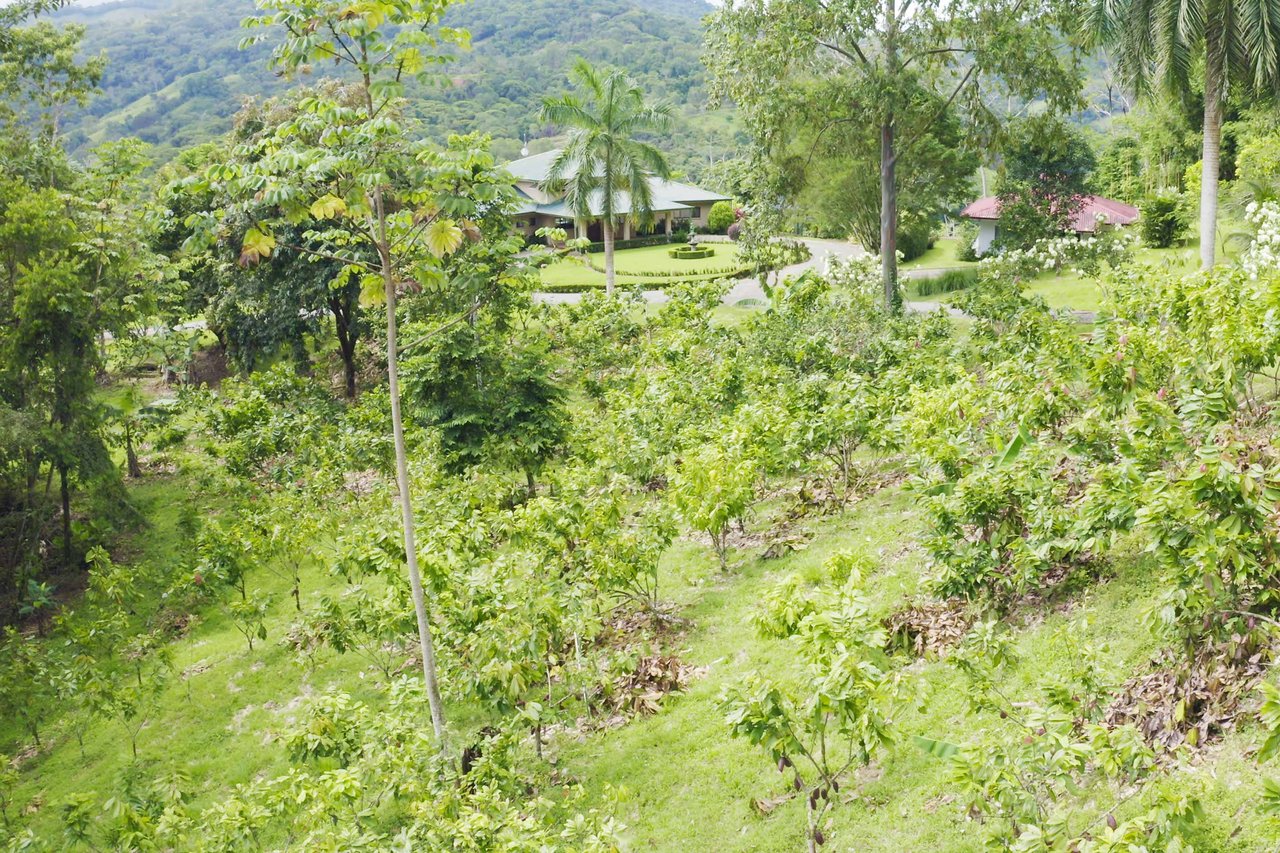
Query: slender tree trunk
402	481
889	217
609	277
343	323
65	487
131	454
1213	100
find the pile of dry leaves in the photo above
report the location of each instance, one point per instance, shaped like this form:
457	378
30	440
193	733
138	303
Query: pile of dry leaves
641	690
930	628
1181	700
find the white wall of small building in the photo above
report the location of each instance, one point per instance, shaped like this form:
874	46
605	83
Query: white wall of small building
987	232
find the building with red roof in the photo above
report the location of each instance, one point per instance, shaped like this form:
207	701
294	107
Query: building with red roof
1094	214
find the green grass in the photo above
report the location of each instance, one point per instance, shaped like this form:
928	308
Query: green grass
942	256
631	263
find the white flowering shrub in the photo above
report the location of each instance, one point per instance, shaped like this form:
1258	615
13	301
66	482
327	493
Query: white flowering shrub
1085	255
1263	254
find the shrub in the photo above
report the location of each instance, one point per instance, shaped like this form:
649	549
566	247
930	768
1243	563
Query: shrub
692	253
967	234
914	242
948	282
1162	223
720	217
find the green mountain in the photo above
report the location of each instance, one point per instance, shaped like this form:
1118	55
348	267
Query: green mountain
177	74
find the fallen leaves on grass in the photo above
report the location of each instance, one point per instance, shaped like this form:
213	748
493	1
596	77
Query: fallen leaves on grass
930	628
1190	701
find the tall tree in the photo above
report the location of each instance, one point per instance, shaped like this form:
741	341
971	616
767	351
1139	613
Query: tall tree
1165	42
387	210
604	169
881	55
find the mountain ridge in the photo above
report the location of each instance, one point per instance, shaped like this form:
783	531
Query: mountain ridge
177	76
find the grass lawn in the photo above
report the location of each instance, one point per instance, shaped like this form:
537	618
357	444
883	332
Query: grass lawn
942	256
629	263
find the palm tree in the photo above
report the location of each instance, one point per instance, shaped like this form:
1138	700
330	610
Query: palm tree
1160	41
603	171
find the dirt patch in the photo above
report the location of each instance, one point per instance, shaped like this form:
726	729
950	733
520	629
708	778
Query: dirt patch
1191	701
929	628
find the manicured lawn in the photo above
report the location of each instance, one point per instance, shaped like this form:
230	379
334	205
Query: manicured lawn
942	256
651	259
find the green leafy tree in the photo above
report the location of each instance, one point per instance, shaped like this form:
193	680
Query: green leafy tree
389	212
1043	180
1165	43
712	488
603	171
879	59
840	717
721	216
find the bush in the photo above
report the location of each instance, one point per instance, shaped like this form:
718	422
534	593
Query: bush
691	253
637	243
967	235
720	217
1162	223
948	282
914	242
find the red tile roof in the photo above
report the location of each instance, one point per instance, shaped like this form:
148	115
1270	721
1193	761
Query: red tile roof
1116	212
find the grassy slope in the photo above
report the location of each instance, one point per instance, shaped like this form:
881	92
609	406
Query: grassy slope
686	785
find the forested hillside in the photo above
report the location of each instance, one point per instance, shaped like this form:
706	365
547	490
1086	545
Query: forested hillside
177	74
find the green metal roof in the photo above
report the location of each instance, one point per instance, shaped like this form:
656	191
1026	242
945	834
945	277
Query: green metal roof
667	196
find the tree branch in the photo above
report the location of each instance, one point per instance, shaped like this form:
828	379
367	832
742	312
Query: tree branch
916	137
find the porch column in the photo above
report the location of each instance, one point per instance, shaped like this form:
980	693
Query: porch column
667	220
626	229
579	230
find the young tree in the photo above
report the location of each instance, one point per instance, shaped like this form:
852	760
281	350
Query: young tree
604	170
387	210
1164	42
880	58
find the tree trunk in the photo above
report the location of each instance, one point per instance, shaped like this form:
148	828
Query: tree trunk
344	328
65	486
402	481
889	217
1213	100
131	455
531	482
609	276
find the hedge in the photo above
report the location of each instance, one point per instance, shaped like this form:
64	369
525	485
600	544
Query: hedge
637	243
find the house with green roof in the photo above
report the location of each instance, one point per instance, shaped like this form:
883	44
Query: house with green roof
675	205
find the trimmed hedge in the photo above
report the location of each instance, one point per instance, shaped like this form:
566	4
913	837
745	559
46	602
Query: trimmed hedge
637	243
692	253
949	282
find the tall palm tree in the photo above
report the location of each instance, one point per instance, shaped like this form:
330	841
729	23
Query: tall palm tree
603	171
1164	41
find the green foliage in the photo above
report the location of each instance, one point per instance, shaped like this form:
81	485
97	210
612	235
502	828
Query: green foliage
948	282
1162	223
722	215
852	70
1043	181
839	718
714	488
